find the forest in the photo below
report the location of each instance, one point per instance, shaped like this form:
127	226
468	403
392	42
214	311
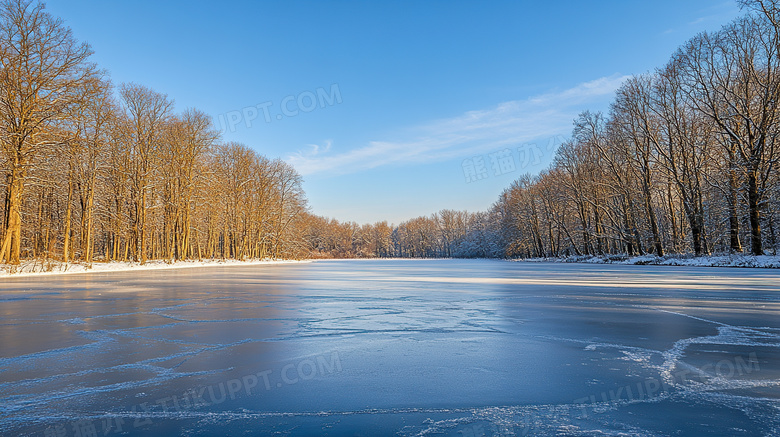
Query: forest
684	162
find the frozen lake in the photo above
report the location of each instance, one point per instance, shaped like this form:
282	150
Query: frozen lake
397	348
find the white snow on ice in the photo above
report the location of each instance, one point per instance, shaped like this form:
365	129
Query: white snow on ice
34	268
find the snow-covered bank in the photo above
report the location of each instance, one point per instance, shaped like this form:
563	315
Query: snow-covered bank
763	261
29	268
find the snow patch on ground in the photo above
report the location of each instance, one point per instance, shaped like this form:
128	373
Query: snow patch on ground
762	261
30	268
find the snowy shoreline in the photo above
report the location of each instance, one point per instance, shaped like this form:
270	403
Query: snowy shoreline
745	261
36	268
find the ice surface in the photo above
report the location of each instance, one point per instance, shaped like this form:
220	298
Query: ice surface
393	347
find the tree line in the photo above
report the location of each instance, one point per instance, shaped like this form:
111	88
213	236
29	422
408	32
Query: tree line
685	160
445	234
93	171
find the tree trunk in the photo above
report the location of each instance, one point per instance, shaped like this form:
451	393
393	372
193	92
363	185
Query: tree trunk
88	237
673	219
734	244
754	213
659	249
68	214
11	249
584	222
142	219
599	230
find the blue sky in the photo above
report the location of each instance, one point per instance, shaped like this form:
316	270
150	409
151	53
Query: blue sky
379	105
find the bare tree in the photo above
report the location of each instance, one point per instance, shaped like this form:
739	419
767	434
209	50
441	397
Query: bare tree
682	143
148	113
42	68
733	77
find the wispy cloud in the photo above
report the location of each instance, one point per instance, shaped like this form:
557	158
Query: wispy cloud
715	13
508	124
